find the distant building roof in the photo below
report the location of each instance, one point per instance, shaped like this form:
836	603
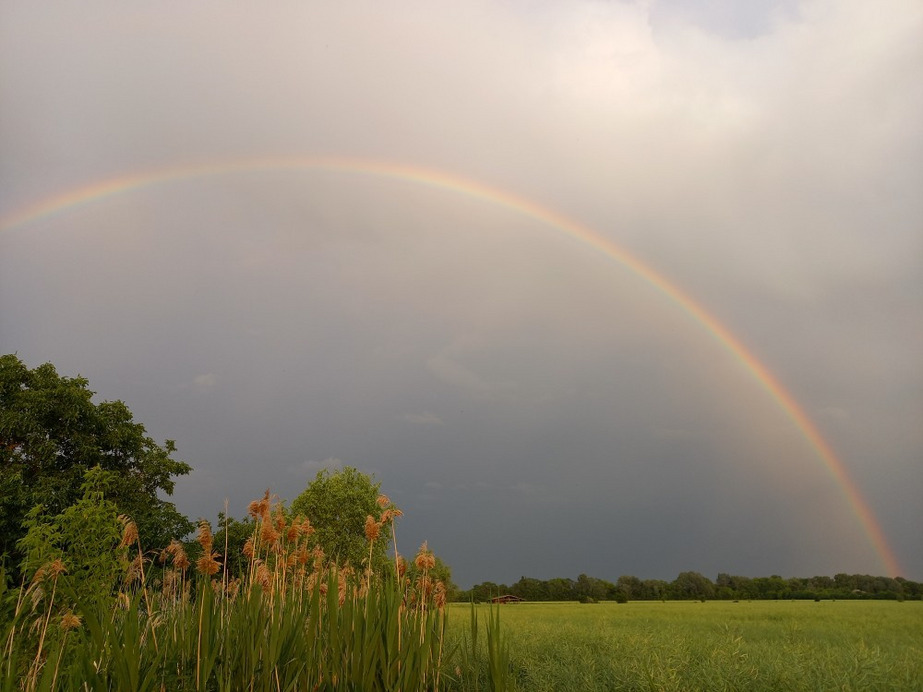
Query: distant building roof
508	598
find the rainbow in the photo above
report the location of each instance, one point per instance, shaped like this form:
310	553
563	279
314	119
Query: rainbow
101	190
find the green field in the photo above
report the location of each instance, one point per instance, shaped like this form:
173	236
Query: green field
717	645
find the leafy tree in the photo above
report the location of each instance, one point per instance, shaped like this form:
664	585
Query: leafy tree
338	505
51	433
593	589
692	585
530	589
82	539
485	591
630	587
561	589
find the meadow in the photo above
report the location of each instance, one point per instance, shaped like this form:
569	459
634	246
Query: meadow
716	645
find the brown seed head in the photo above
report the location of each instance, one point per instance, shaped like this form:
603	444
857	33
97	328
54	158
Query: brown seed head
207	564
372	528
55	567
306	529
248	548
268	535
425	559
265	506
205	537
439	595
176	549
129	533
181	561
294	530
69	621
383	501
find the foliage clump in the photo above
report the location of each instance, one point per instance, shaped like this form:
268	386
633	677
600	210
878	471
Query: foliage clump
52	433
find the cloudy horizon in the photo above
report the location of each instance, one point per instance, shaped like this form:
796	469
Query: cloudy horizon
534	406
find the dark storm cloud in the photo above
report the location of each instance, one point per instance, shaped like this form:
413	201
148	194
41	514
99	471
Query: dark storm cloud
533	406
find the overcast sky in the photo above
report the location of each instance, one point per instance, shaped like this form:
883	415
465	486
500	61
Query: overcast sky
535	407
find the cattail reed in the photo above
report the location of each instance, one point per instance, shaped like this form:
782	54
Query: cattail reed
285	579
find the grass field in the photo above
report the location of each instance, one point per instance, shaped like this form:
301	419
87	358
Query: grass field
717	645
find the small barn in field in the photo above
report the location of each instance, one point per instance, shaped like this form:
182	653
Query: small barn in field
508	598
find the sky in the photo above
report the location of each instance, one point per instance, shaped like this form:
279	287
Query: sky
461	246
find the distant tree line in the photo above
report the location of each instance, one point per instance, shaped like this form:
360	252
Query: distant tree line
695	586
57	446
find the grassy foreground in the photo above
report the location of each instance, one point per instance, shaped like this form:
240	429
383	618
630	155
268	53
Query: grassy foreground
94	617
758	645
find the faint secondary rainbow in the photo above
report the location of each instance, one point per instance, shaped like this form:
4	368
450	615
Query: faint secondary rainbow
103	189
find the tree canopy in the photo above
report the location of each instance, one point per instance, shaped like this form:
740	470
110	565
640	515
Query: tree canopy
338	505
51	434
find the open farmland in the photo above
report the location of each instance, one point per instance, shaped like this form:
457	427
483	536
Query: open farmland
758	645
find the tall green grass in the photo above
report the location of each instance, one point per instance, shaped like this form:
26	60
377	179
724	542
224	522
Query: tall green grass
759	645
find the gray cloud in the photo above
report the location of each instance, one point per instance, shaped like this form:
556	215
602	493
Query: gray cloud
509	386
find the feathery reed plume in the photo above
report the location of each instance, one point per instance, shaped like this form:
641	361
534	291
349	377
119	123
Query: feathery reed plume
129	533
425	559
180	559
207	564
55	567
69	621
372	528
319	557
259	508
439	596
293	532
268	535
204	536
306	529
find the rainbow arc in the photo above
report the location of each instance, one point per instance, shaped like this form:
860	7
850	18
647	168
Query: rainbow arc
101	190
